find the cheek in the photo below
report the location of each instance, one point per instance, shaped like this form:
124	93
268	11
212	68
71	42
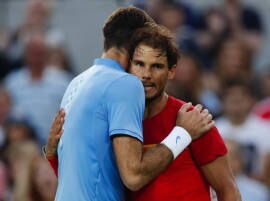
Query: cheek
131	69
136	71
161	80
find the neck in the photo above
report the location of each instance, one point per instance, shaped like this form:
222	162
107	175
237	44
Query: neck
238	120
48	199
2	121
155	106
233	4
36	74
118	55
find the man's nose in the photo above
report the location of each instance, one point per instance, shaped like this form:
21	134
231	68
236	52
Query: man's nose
146	73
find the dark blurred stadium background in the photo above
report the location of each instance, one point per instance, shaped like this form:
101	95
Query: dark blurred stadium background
225	65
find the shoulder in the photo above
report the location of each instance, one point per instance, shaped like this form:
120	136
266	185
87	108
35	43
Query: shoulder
56	75
127	82
175	103
16	77
17	74
129	79
126	88
259	124
79	79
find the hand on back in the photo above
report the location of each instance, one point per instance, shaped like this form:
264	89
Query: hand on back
56	132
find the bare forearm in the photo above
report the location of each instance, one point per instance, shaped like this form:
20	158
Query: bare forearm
219	175
154	161
229	194
136	167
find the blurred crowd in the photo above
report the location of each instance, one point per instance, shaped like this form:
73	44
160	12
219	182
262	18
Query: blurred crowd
35	70
218	45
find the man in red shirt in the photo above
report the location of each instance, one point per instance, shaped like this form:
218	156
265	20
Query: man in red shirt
204	163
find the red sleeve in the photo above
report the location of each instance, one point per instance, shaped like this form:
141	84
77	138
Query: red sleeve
54	164
208	147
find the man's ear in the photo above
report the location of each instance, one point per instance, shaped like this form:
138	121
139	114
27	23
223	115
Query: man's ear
172	72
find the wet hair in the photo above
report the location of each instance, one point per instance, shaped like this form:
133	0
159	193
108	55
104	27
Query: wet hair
120	26
157	37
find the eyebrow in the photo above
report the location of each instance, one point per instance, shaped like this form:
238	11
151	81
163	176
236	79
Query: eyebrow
137	61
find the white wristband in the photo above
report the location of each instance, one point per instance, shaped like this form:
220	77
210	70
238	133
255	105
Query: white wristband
177	140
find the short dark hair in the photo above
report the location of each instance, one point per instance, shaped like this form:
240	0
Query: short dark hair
157	37
243	83
120	26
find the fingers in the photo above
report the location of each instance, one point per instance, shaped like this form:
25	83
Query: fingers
57	118
205	113
198	107
58	136
62	112
210	125
185	107
209	118
59	126
205	118
58	121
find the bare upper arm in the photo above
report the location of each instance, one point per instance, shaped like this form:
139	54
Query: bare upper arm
218	172
128	151
219	175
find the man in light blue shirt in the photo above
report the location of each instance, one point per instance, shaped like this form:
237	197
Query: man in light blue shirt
104	93
101	147
36	90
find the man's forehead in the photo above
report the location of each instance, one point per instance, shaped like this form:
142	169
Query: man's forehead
147	50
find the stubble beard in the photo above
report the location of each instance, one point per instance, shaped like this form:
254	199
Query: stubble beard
154	98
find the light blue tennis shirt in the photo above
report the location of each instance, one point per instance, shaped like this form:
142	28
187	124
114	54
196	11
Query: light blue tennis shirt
101	102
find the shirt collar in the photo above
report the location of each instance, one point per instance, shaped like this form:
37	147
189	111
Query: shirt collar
109	62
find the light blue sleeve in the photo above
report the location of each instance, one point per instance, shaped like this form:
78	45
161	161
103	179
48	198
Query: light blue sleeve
125	105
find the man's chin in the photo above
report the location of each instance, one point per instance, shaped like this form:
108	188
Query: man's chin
148	96
150	99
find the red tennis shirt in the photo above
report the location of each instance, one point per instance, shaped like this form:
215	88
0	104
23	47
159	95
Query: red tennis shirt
183	180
